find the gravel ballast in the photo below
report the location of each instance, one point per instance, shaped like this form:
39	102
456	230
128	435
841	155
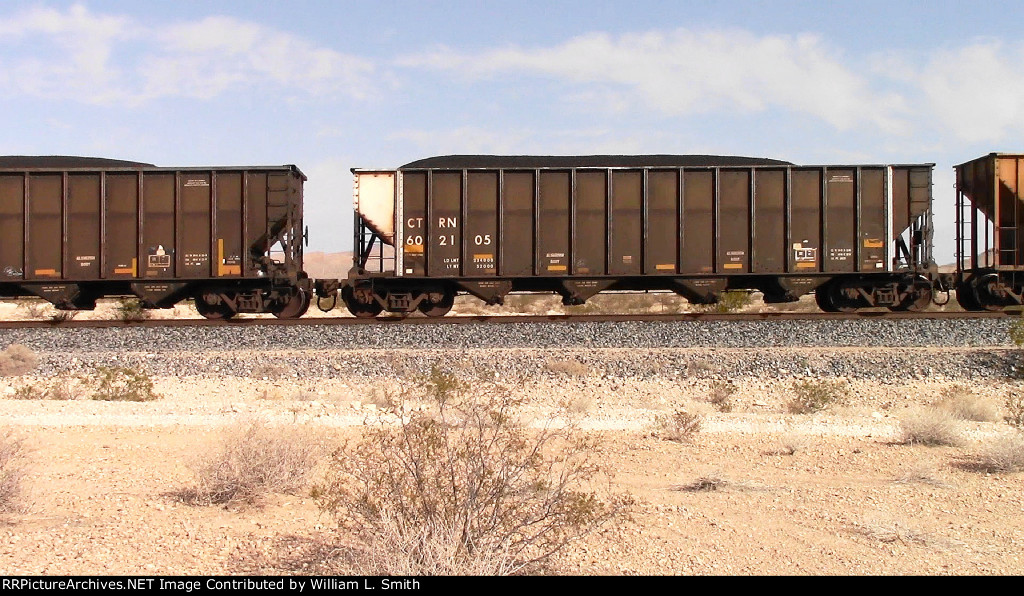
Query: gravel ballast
774	349
633	334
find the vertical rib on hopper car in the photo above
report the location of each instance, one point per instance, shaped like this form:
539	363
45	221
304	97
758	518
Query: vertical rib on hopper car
73	230
859	236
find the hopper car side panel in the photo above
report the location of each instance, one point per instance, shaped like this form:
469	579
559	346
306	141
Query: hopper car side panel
698	230
230	235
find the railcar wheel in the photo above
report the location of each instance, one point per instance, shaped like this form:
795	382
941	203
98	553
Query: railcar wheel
917	300
360	309
824	300
915	304
831	298
296	306
965	297
982	293
438	309
217	311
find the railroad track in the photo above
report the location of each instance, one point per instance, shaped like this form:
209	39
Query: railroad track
505	319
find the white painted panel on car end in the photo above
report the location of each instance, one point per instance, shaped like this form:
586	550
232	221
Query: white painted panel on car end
374	199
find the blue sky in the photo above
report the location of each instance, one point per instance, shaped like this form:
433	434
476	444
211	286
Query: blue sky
331	85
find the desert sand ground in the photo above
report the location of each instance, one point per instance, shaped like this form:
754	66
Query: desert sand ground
836	492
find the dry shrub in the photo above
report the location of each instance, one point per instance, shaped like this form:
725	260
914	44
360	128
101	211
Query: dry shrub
268	371
920	473
630	303
815	395
714	481
12	471
679	426
962	403
255	460
17	359
572	368
382	398
1005	454
61	316
720	395
33	308
61	388
792	442
887	530
463	487
930	426
580	406
1015	410
30	391
707	483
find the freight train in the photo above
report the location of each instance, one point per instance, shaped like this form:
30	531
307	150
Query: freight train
856	236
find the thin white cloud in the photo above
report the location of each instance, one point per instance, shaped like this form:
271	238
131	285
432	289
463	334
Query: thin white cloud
62	53
422	142
463	139
687	72
113	60
209	57
977	91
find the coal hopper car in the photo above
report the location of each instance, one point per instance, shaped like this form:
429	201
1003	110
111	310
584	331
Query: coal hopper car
990	232
73	230
857	236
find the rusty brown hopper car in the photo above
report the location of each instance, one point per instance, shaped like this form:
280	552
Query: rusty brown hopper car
76	229
990	232
859	236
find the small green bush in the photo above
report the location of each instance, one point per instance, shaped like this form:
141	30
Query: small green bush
121	383
731	301
1017	333
131	309
815	395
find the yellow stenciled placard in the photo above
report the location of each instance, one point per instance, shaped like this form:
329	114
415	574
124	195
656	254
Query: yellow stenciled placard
133	270
557	268
666	267
873	243
733	266
223	269
416	249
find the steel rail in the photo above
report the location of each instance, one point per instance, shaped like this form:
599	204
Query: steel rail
504	319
